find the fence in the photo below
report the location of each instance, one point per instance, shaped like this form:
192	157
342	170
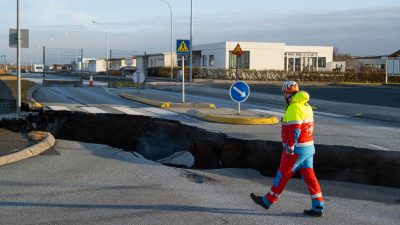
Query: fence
8	110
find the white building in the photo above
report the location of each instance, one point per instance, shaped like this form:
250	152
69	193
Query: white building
117	63
96	65
155	60
263	56
256	55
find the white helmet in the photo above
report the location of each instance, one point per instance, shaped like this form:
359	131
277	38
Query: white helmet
290	87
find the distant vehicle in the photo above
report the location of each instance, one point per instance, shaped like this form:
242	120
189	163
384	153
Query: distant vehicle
38	68
127	71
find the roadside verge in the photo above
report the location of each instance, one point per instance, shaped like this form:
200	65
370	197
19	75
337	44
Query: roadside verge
31	151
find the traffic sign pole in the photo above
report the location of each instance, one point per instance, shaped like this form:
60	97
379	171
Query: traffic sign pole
183	79
237	78
183	47
239	92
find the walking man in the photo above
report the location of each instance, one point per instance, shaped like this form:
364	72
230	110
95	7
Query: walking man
298	150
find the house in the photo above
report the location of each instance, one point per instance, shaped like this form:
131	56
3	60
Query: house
97	66
143	62
373	62
115	64
263	56
393	64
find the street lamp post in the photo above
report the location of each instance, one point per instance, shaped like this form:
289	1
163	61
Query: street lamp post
172	65
76	47
106	29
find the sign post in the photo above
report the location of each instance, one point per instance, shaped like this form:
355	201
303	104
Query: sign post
18	38
183	48
239	92
238	52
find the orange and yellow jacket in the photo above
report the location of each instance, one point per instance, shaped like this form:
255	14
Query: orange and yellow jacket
298	125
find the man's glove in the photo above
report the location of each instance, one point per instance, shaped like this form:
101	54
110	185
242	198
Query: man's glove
289	149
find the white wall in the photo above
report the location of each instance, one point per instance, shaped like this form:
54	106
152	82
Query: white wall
323	51
263	55
97	66
156	61
216	49
167	59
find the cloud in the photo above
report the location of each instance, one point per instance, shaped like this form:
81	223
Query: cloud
355	31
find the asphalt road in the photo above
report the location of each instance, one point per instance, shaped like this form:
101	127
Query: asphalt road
378	96
331	129
79	183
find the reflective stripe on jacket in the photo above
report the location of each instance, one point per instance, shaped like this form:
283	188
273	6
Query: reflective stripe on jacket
298	125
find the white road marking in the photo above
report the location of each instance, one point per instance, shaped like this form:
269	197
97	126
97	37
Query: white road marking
58	108
93	110
109	92
331	114
158	111
127	110
378	147
267	112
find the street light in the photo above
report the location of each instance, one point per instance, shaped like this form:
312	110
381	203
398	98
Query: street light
172	65
76	46
105	27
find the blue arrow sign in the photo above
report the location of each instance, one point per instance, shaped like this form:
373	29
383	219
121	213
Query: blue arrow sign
239	91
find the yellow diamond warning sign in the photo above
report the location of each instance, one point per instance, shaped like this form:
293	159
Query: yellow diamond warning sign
238	50
182	46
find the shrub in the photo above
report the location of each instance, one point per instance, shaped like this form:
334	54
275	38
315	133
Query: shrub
366	75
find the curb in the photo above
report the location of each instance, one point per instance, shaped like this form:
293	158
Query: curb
145	100
237	120
28	152
166	104
372	116
35	105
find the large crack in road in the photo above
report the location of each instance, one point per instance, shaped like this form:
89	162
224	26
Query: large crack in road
156	138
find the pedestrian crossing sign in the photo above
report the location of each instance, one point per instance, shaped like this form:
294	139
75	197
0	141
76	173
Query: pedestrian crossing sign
182	46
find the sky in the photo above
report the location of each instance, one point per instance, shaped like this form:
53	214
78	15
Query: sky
357	27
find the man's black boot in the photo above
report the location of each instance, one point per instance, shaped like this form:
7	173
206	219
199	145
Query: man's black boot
259	200
313	213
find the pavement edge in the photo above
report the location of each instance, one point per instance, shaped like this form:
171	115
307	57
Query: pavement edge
166	104
36	149
271	120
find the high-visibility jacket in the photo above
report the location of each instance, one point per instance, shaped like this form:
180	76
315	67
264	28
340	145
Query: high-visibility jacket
298	125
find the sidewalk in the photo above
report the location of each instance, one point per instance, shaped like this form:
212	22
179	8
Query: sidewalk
350	109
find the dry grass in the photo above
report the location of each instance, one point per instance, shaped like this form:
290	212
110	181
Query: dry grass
37	135
11	82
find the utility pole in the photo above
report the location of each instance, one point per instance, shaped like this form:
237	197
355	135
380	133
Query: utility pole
191	43
18	62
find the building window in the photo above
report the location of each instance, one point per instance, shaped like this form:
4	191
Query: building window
204	60
244	60
211	60
322	62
